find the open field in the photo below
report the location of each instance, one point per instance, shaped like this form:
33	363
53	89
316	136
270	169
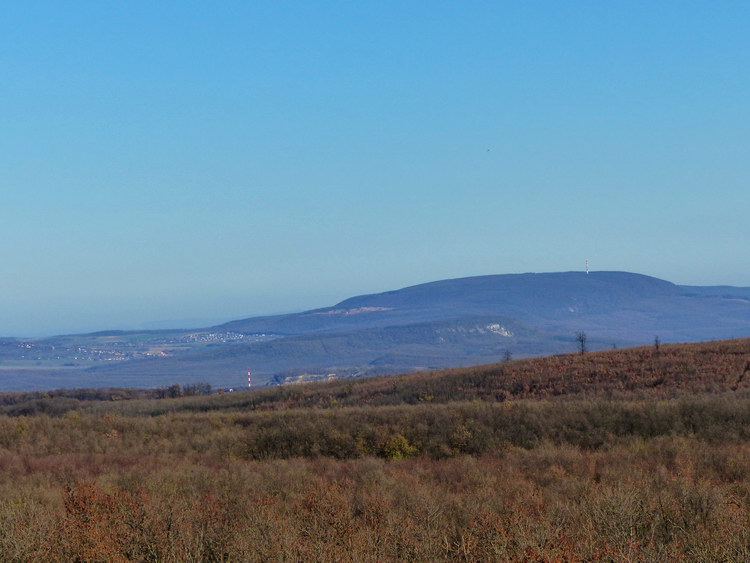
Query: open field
626	455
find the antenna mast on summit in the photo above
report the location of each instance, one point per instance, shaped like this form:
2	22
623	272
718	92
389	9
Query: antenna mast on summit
249	379
587	267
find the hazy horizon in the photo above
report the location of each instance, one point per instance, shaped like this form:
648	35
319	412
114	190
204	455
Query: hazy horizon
216	161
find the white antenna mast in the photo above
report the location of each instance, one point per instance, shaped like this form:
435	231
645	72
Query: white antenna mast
587	266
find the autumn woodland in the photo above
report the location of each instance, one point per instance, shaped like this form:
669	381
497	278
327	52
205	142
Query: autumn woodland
639	454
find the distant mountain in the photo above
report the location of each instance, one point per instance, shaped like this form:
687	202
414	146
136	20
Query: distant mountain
454	322
619	307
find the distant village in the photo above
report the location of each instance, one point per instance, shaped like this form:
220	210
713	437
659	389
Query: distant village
108	349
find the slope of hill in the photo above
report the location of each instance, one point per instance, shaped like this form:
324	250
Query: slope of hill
440	324
526	297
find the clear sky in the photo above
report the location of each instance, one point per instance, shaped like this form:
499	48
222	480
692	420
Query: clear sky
216	160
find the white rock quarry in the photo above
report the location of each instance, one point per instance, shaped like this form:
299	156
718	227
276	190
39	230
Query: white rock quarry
497	328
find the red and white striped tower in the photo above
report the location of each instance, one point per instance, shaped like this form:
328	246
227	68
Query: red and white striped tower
249	379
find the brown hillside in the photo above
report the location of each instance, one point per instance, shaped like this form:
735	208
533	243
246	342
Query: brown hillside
670	371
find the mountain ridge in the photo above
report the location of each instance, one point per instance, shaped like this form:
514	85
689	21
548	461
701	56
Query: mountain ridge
431	325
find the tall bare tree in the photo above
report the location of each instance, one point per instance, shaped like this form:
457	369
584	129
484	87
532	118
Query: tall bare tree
581	339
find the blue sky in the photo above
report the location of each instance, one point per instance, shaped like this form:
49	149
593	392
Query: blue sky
210	160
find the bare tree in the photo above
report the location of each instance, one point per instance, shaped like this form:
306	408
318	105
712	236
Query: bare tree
508	356
174	391
581	339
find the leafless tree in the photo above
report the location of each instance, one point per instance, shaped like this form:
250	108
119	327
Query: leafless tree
581	339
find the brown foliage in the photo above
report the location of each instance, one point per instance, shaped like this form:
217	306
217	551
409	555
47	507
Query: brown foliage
665	499
648	459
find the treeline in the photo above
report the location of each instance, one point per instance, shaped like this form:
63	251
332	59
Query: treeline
98	394
60	401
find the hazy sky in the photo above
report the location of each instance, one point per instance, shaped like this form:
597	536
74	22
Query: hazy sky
191	160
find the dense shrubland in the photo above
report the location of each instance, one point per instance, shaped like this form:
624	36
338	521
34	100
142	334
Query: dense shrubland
436	431
628	455
667	498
